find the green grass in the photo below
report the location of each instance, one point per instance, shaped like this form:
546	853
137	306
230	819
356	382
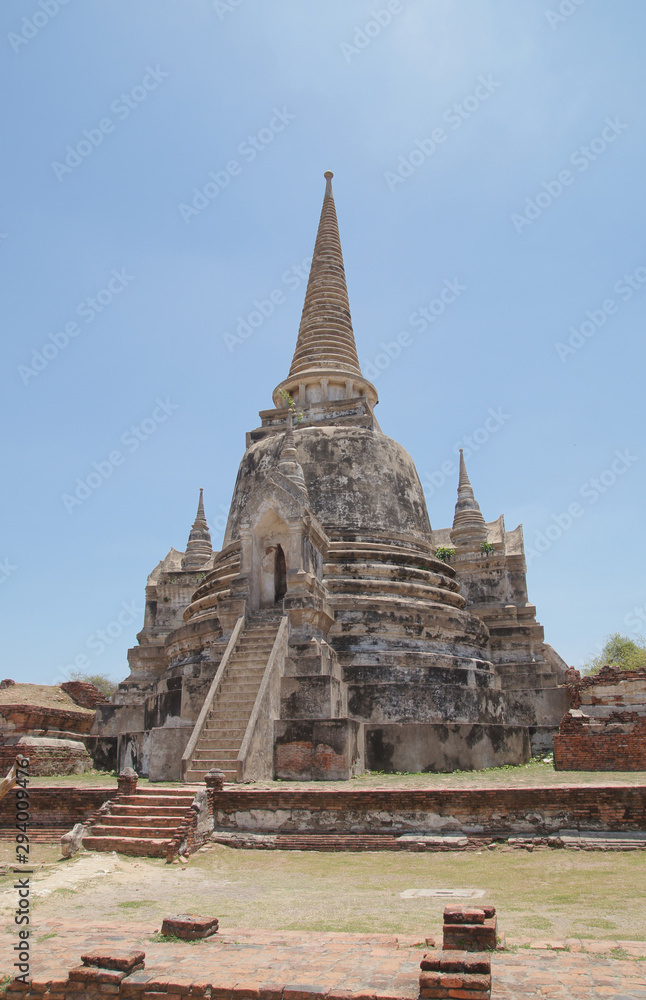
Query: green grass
158	938
131	904
539	771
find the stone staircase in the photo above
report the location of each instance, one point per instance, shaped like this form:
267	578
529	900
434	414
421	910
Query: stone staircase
143	824
225	725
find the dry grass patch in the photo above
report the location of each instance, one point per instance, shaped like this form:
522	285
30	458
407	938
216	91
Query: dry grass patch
548	893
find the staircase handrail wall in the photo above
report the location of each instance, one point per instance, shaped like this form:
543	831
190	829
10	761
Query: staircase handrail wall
255	758
220	673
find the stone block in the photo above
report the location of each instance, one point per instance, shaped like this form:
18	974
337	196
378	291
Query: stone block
463	915
189	927
119	961
471	937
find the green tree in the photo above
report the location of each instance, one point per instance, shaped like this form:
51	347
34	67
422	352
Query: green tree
105	684
618	651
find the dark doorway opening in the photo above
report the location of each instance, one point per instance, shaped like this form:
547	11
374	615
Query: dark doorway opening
280	575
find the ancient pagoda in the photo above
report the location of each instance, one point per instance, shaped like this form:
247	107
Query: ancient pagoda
327	637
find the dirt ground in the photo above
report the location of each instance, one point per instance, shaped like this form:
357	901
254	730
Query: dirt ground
546	893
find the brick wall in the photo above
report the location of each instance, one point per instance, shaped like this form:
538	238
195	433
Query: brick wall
27	718
45	761
84	694
495	811
577	748
53	806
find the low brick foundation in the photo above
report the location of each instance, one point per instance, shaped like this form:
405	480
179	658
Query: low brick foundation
389	813
53	809
48	757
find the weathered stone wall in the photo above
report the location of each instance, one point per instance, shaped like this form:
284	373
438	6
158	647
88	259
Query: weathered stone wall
444	747
504	811
323	749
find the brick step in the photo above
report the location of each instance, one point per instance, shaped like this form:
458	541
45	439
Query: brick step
138	846
216	753
160	822
138	832
183	792
175	801
143	809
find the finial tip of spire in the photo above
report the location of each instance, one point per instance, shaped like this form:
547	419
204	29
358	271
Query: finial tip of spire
328	175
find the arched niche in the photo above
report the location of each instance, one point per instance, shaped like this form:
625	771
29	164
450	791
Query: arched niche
270	553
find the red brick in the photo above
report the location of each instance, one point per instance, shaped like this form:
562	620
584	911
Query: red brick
124	961
463	915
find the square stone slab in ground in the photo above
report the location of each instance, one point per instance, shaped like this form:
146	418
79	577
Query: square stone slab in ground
443	893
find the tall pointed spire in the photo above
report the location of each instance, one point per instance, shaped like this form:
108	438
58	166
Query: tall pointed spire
326	353
198	547
288	462
469	527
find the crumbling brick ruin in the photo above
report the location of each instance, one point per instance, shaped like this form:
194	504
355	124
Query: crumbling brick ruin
51	725
605	730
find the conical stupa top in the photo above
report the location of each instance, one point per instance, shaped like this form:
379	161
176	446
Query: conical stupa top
198	549
288	462
325	348
468	523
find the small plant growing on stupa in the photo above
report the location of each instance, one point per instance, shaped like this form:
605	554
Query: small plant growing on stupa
291	404
486	547
444	553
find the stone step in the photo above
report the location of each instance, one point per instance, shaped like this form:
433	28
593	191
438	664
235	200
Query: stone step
235	714
213	756
232	731
244	682
232	710
196	774
222	743
138	846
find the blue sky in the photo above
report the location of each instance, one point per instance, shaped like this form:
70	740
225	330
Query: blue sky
494	145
